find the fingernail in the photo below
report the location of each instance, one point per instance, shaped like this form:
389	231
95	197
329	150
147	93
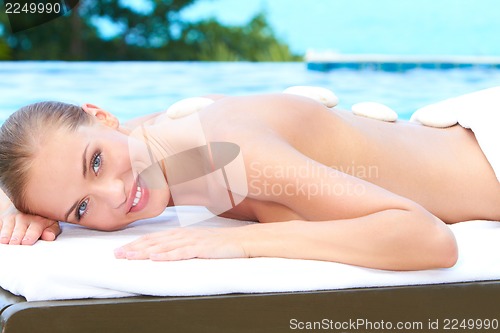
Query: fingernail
119	253
25	239
4	239
14	240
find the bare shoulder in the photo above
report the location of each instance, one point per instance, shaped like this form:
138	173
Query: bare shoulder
250	116
269	104
143	120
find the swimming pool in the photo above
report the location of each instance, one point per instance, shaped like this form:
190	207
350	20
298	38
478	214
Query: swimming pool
129	89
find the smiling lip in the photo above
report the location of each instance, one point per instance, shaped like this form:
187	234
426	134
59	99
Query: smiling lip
143	200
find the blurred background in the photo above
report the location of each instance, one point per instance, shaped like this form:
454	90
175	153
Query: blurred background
257	30
139	56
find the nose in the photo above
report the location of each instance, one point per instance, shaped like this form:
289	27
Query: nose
111	191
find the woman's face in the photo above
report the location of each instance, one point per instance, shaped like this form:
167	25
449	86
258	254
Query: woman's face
86	177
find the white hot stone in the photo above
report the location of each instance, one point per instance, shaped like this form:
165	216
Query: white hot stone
374	110
435	116
322	95
188	106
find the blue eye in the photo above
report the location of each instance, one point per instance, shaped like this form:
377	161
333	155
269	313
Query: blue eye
82	209
96	163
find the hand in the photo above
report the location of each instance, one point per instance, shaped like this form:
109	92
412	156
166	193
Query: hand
186	243
23	229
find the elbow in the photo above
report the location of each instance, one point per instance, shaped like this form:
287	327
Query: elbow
435	252
447	250
434	240
442	245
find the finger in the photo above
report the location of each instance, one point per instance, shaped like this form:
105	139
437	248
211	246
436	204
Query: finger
33	233
178	250
1	227
135	255
6	229
164	243
140	254
36	226
150	240
175	254
135	246
120	253
51	232
144	253
138	248
21	225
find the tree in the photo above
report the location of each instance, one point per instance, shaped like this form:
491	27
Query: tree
4	50
59	39
142	35
76	36
254	41
141	32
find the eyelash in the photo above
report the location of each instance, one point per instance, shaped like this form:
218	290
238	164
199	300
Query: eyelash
96	157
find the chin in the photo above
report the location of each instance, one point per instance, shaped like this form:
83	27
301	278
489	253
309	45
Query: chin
154	209
114	227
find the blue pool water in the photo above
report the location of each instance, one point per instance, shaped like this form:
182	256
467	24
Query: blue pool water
130	89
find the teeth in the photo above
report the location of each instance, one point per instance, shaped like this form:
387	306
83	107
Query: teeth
138	195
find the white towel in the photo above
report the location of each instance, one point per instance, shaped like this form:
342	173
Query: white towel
81	264
478	111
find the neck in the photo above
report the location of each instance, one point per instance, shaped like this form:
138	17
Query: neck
187	160
190	176
208	176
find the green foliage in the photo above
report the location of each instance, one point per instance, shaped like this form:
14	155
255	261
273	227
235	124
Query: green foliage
4	50
5	53
145	35
55	40
252	42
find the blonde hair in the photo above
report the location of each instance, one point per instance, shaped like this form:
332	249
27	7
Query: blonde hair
21	136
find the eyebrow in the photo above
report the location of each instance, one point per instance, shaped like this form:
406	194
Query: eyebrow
84	172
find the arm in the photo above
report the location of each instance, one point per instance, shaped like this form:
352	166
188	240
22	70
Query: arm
373	228
393	239
366	225
357	222
17	228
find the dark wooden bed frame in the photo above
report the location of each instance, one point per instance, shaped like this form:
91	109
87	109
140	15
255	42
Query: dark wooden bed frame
269	312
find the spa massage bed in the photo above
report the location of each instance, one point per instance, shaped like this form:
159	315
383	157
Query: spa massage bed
268	312
76	285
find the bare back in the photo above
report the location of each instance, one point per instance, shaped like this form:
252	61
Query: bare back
444	170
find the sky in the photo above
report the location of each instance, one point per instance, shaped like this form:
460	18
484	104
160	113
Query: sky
417	27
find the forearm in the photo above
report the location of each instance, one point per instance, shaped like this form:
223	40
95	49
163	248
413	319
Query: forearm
392	239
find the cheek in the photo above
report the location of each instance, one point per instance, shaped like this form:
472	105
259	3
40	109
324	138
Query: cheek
123	163
122	154
161	201
101	217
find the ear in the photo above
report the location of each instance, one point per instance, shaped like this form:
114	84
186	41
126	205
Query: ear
101	115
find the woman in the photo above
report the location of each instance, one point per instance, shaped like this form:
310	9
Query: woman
373	194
